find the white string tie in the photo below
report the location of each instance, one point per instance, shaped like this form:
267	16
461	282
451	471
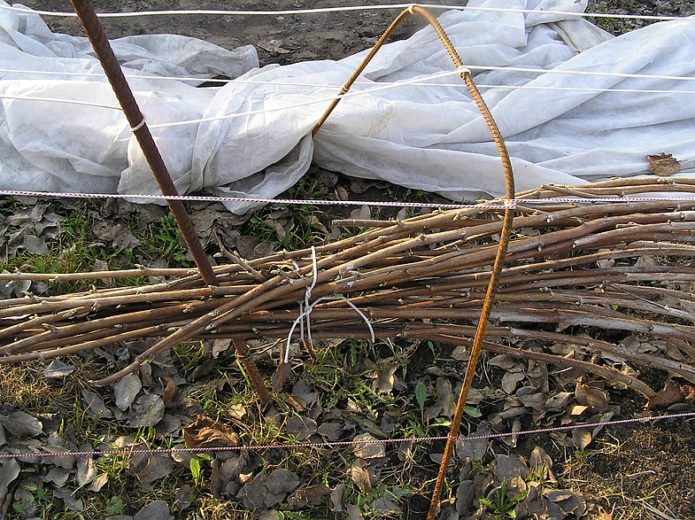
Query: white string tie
138	126
306	308
462	71
307	293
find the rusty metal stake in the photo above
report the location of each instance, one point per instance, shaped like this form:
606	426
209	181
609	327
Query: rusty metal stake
136	119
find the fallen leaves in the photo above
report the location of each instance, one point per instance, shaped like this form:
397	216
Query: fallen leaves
268	490
150	467
308	496
301	427
94	405
207	433
9	471
669	395
592	396
365	446
384	383
444	405
663	164
86	470
125	391
359	474
157	510
22	424
147	410
57	369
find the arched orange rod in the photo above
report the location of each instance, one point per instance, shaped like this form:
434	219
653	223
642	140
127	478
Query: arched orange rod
504	235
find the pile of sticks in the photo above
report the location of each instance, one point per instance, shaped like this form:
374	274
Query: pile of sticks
585	275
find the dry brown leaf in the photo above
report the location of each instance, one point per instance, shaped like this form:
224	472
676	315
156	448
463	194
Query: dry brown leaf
86	470
9	471
58	370
688	392
354	512
94	405
237	411
266	491
301	427
126	390
22	424
359	473
149	467
385	506
366	447
387	371
577	409
217	480
330	431
663	164
147	410
206	433
594	398
220	346
308	496
581	438
169	392
99	482
281	376
337	498
157	510
669	395
541	464
510	380
445	405
509	466
304	395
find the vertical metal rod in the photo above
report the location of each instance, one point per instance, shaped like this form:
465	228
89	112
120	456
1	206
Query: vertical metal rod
136	119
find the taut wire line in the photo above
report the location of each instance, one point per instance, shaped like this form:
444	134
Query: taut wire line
340	9
341	444
419	82
377	203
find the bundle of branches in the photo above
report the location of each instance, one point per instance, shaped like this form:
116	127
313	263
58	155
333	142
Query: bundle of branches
584	275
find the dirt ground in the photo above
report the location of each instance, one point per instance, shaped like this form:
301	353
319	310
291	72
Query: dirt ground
631	472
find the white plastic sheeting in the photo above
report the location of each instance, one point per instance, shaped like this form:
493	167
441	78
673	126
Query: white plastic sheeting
419	136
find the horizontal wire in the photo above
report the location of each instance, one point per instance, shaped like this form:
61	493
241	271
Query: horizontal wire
336	86
379	7
503	204
264	200
327	99
413	81
580	72
382	87
342	444
59	100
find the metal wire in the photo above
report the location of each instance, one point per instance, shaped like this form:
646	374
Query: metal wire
379	7
419	83
512	203
59	100
340	444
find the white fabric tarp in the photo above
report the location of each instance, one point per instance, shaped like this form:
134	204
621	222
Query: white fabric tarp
428	137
